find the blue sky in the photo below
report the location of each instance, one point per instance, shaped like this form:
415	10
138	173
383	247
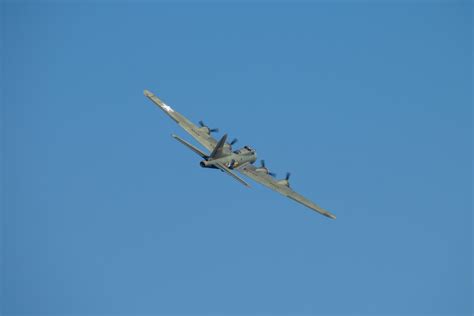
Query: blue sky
368	105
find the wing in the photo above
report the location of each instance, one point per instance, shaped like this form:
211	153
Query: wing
251	171
198	133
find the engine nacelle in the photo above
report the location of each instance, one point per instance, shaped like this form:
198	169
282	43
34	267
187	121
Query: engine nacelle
206	130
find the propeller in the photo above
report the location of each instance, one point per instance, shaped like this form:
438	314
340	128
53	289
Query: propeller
262	165
211	130
287	176
235	140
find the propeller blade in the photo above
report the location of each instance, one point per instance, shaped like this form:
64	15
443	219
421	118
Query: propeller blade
288	176
202	123
233	141
262	163
272	174
213	130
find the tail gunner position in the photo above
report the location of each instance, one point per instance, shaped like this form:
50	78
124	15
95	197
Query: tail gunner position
223	157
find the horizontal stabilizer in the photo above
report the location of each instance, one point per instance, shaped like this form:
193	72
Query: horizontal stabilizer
193	148
230	173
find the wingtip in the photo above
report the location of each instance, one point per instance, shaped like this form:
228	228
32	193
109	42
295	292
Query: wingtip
147	93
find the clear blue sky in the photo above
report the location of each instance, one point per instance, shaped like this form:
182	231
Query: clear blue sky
368	105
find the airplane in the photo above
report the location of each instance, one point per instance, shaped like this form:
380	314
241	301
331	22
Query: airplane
221	156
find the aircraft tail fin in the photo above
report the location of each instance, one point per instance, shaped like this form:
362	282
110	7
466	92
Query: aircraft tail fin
219	149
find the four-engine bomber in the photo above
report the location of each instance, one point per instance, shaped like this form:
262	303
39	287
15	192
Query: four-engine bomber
221	156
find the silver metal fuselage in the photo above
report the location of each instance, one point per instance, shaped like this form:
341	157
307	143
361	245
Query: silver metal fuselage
234	159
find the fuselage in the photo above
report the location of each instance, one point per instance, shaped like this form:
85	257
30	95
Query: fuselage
233	159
